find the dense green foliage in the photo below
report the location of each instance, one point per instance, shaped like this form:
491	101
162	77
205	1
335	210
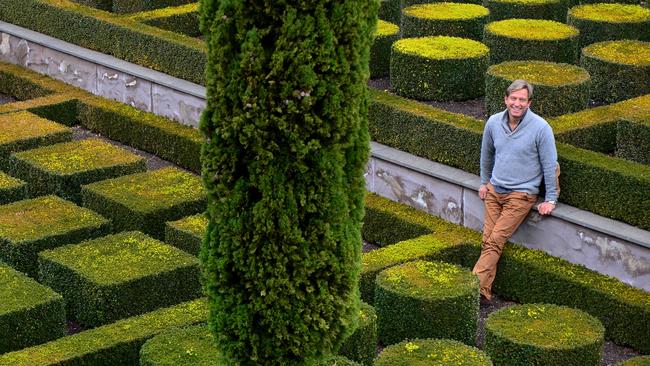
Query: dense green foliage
187	233
535	9
385	35
30	313
11	189
337	361
118	276
441	352
607	22
423	299
191	346
23	130
133	6
287	145
545	335
109	345
389	10
361	346
145	201
633	139
181	19
444	19
636	361
559	88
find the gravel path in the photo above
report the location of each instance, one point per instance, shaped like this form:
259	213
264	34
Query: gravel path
6	99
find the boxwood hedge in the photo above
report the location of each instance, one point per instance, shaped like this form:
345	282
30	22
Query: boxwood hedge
23	130
444	19
11	189
544	40
133	6
187	233
385	35
181	19
190	346
619	69
636	361
606	22
432	352
440	68
559	88
361	346
633	139
390	11
545	335
530	9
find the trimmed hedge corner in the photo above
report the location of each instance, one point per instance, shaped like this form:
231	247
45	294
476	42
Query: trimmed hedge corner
633	140
181	19
30	226
440	68
11	189
113	344
543	40
443	352
187	233
607	22
619	69
544	335
133	6
427	300
190	346
361	346
145	201
117	276
559	88
444	19
23	130
30	313
530	9
385	35
61	169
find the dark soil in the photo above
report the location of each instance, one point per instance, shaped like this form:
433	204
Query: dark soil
6	99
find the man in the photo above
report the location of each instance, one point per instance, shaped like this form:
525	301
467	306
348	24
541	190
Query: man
517	151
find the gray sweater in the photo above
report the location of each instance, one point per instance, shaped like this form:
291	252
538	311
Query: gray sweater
517	160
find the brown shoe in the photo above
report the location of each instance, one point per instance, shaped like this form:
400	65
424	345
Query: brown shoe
485	302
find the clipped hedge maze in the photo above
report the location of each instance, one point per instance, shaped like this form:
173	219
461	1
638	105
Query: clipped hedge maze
444	19
187	233
606	22
529	9
61	169
188	346
432	352
385	35
23	130
361	346
11	189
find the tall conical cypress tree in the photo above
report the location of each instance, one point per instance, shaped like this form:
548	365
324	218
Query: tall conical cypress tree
283	164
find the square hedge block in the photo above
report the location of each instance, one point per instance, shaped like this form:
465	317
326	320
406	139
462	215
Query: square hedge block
29	226
23	130
61	169
145	201
187	233
121	275
11	189
30	313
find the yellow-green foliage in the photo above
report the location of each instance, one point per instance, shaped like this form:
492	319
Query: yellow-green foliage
19	292
626	52
527	2
194	224
432	352
441	47
541	72
119	258
78	156
385	29
531	29
611	13
9	182
636	361
186	346
447	11
21	126
421	279
113	344
165	12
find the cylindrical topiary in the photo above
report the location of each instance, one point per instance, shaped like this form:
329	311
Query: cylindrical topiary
440	68
407	3
283	163
389	11
531	9
385	35
636	361
619	69
439	352
531	39
444	19
608	22
361	346
427	300
191	346
558	88
544	335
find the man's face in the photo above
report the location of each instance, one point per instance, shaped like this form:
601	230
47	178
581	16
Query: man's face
517	103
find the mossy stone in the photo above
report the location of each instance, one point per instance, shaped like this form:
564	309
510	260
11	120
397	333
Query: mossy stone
442	352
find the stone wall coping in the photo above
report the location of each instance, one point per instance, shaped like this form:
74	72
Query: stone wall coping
471	181
98	58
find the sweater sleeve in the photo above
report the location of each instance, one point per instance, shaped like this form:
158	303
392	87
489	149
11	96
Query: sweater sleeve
487	154
548	160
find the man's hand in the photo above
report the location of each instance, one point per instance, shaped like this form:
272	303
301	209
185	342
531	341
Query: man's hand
545	208
482	191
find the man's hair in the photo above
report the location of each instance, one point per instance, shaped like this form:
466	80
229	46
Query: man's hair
520	84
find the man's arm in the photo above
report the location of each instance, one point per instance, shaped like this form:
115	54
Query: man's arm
548	159
487	160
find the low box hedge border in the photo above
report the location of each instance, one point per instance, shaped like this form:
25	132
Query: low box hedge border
171	53
385	35
187	233
180	19
30	313
118	276
606	22
113	344
23	131
444	19
361	346
508	9
390	11
190	346
633	140
432	352
11	189
134	6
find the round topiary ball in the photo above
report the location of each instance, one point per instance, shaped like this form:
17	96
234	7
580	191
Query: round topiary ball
438	68
531	39
427	300
543	335
191	346
444	19
636	361
385	35
439	352
361	346
619	69
557	88
533	9
608	22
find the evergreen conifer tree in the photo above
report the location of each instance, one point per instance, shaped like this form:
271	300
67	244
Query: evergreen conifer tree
283	163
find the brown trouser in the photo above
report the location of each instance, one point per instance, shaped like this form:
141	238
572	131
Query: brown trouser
504	212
